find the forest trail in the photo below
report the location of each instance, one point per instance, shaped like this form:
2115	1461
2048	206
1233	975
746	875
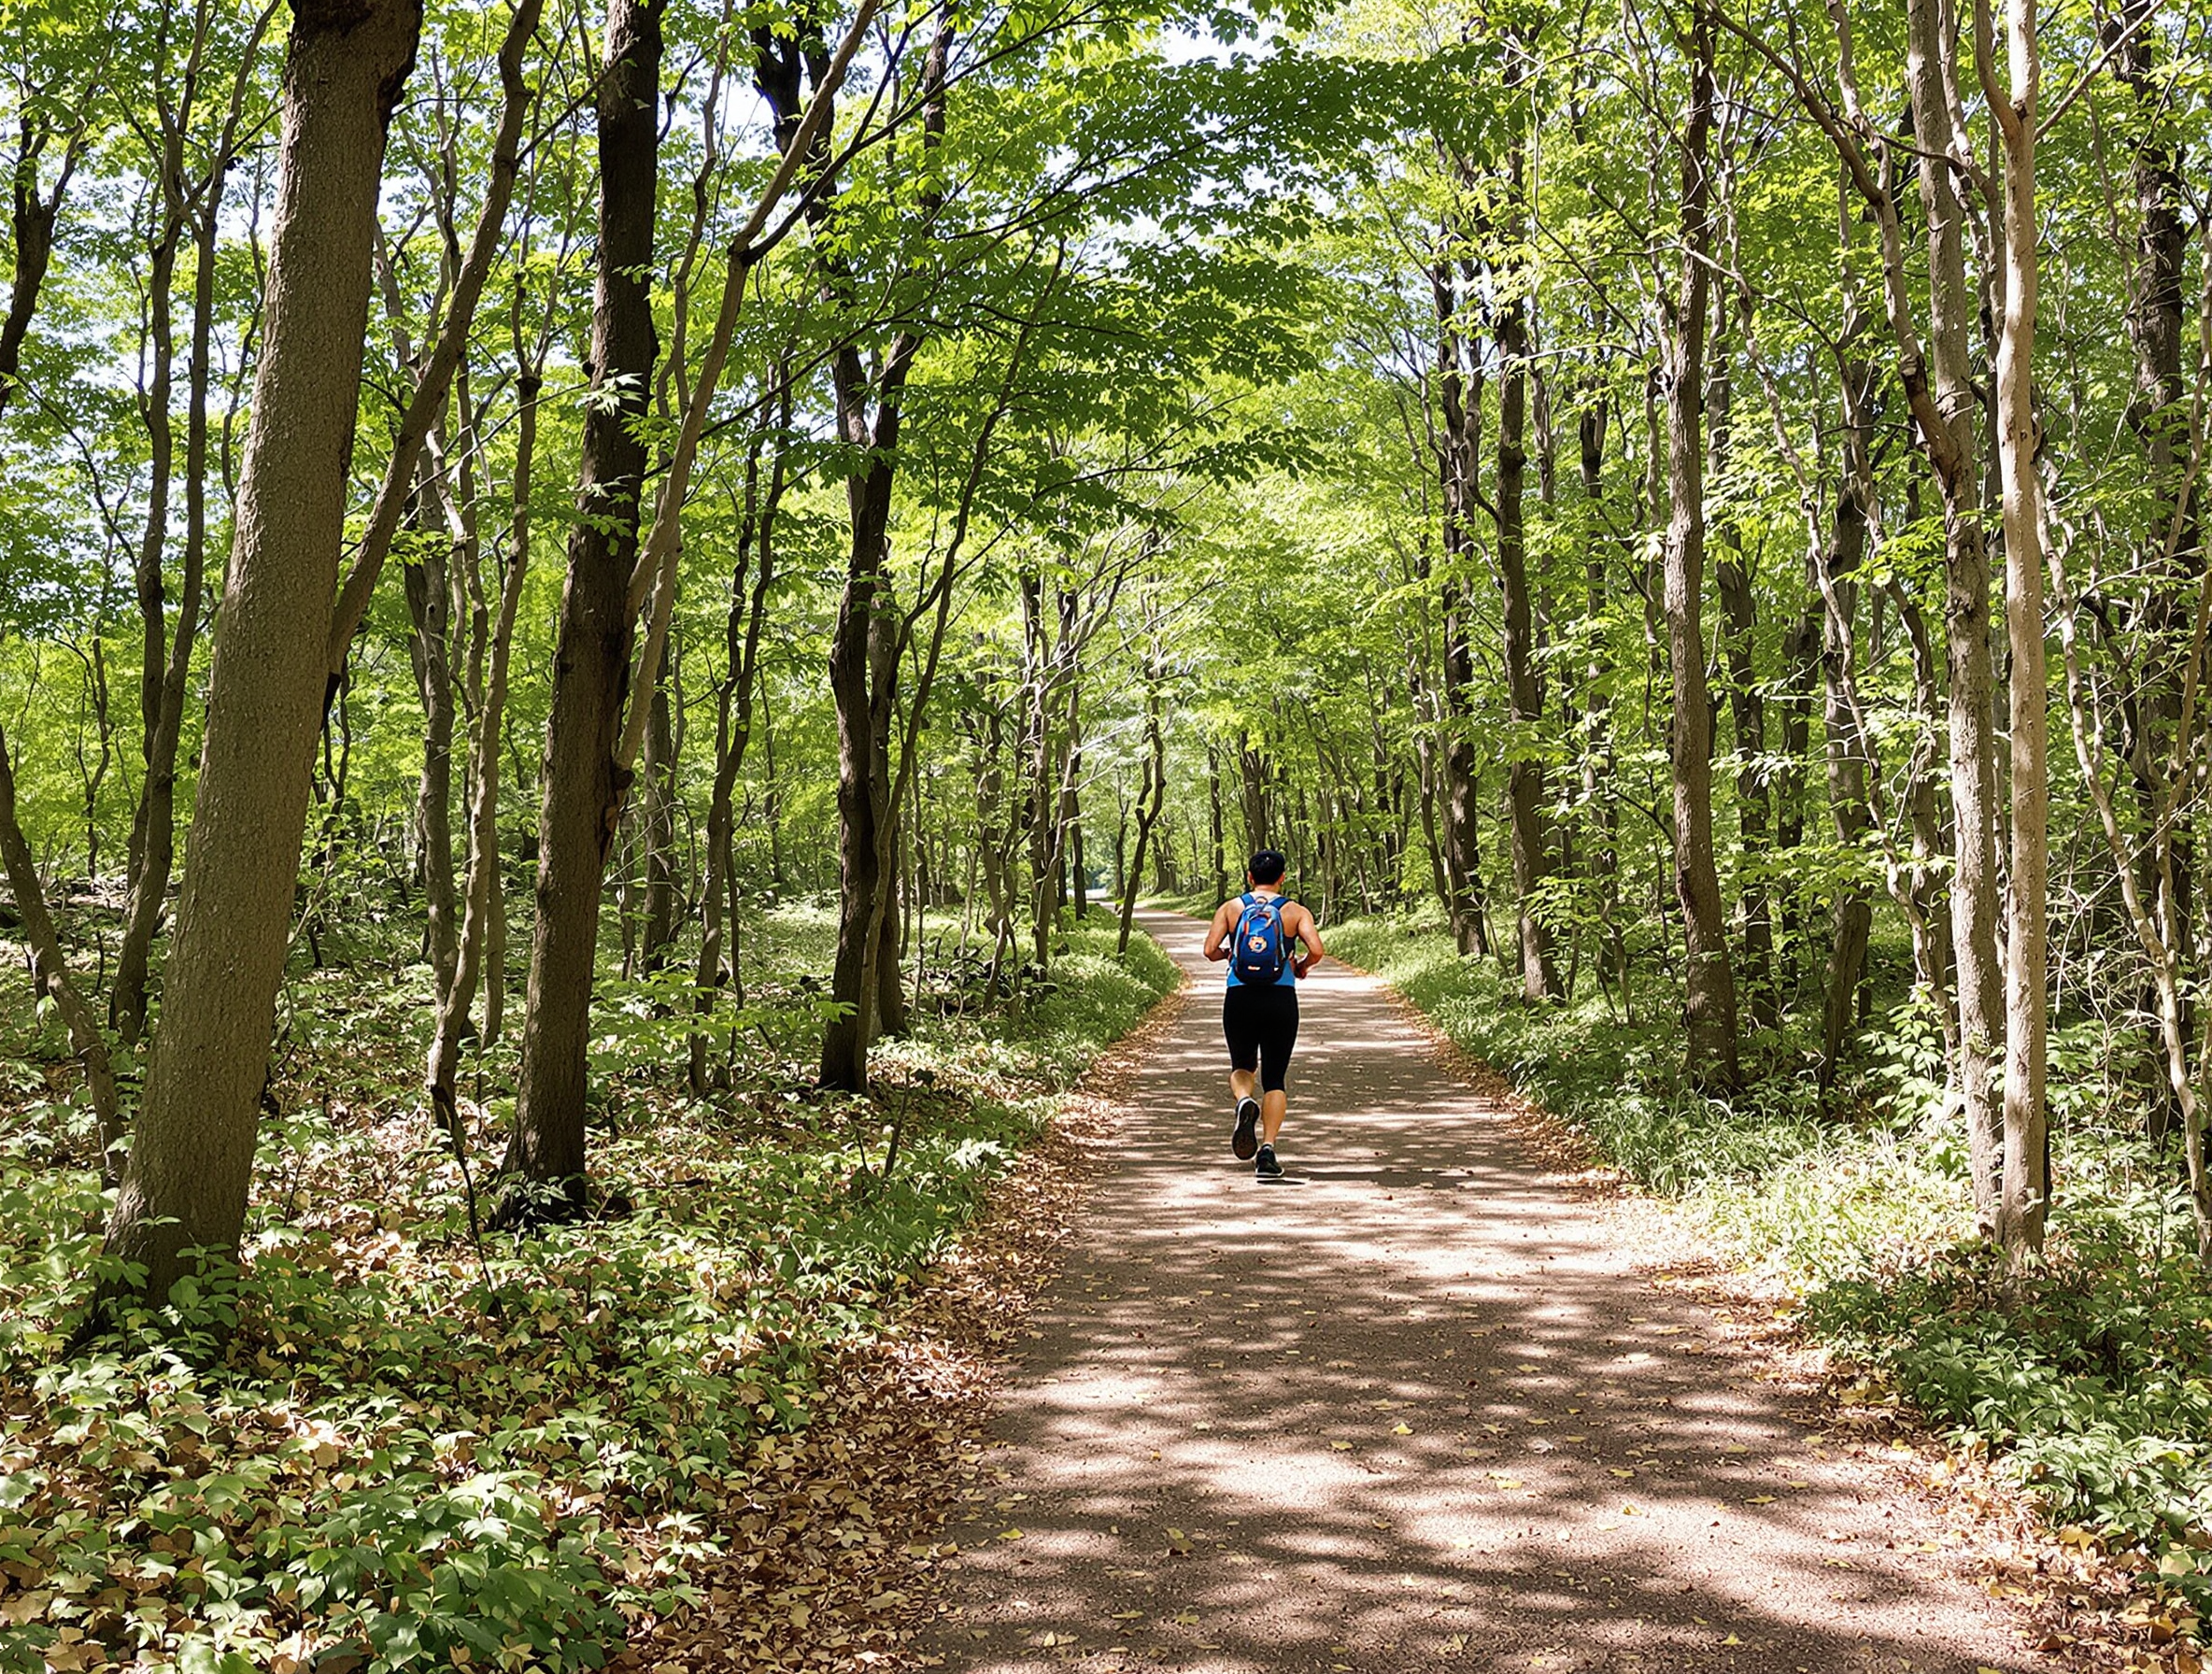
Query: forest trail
1381	1416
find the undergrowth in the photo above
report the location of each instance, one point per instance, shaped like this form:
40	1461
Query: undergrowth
369	1448
2092	1389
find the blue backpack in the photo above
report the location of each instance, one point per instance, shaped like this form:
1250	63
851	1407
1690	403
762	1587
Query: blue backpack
1262	949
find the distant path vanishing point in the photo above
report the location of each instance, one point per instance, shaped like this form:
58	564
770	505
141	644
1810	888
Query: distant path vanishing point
1408	1409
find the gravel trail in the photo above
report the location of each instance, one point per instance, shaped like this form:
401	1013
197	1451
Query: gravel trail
1409	1408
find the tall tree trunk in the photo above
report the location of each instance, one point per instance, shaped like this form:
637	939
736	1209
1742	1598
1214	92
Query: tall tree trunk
1219	851
156	404
1747	711
2026	1190
861	796
1043	754
1524	772
480	953
1709	985
1943	400
656	828
1150	794
1458	396
862	667
891	1012
1524	775
864	654
191	1160
2161	424
1079	872
430	647
1253	770
1597	703
164	681
480	956
1065	805
582	786
997	829
1847	745
743	623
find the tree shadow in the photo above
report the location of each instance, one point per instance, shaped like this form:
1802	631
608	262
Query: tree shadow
1417	1415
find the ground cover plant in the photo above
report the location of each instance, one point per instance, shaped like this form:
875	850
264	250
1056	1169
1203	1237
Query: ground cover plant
505	496
2092	1390
374	1441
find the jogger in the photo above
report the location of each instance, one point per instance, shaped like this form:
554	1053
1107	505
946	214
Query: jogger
1253	934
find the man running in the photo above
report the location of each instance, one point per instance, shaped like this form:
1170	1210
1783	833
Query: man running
1253	934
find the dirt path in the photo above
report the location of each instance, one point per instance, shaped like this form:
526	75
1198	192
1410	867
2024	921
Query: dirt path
1408	1409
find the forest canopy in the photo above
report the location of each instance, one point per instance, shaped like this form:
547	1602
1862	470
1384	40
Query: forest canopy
565	570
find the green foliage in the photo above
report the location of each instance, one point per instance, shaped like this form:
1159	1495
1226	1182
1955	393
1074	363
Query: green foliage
1616	1083
2092	1383
352	1442
2090	1380
1096	996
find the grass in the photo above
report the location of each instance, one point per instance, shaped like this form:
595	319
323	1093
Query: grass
2094	1390
365	1444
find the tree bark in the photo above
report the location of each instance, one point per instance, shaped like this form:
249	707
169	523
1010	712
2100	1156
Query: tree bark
863	672
164	675
480	957
428	596
1598	705
1525	700
657	829
1709	985
1458	397
1525	775
743	623
185	1187
1944	401
2025	1192
1218	835
583	784
1150	795
1747	711
864	652
1853	919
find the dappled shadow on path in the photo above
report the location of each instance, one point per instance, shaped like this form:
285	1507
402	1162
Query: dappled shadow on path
1408	1409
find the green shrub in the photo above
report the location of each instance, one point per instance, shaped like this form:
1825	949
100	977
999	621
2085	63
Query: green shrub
2092	1388
353	1442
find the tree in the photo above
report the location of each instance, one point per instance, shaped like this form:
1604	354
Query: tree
2025	1188
1709	984
581	785
191	1157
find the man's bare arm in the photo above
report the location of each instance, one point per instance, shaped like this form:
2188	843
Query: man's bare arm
1309	934
1218	937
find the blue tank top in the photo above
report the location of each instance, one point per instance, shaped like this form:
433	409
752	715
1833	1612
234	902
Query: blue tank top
1289	979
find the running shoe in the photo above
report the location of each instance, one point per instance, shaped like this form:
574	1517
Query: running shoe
1246	1140
1267	1168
